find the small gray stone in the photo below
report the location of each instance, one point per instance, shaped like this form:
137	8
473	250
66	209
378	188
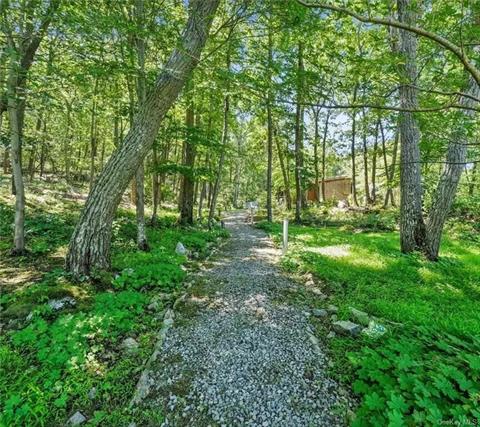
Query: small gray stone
374	330
76	419
58	304
360	316
92	393
333	317
320	312
180	249
346	327
331	334
130	345
332	309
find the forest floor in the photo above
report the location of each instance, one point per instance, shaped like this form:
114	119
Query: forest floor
240	351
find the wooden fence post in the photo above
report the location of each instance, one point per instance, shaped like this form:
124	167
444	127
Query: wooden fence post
285	236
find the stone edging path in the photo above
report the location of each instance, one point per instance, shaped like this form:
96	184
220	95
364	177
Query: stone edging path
239	355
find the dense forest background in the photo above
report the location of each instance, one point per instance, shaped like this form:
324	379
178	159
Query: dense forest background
283	97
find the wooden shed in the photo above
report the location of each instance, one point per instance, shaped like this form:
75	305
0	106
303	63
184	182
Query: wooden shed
337	188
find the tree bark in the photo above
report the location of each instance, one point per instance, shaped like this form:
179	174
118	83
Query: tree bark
450	177
412	226
90	243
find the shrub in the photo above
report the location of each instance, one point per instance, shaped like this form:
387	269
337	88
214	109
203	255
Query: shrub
49	362
418	379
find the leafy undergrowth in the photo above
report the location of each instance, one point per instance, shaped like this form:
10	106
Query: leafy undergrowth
56	362
426	370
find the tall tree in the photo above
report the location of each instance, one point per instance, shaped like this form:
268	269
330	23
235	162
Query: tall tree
269	124
24	27
188	182
299	136
412	226
215	189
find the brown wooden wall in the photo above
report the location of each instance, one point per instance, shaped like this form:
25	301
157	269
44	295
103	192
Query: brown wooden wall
335	189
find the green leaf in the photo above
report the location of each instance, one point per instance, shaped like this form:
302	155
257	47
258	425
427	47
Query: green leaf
397	402
374	401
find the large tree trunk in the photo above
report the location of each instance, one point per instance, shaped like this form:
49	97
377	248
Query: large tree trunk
299	138
188	182
90	243
412	227
450	177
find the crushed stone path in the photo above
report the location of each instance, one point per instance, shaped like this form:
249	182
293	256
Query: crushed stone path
238	353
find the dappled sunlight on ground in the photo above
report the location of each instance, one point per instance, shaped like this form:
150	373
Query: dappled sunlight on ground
336	251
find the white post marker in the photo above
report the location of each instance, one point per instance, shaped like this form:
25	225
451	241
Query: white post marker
285	236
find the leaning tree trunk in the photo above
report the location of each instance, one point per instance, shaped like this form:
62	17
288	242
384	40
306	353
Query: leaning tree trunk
90	243
412	227
454	165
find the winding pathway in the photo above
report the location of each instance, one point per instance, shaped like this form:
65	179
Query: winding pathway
239	354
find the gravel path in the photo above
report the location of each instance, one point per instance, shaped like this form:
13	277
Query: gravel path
238	353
